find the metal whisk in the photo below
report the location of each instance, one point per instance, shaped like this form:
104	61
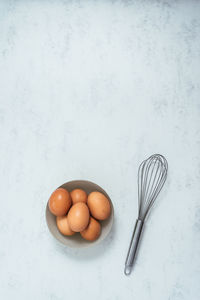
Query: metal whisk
152	174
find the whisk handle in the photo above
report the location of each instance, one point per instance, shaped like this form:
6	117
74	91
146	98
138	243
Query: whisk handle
133	246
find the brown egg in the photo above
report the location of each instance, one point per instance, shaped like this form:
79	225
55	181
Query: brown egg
59	202
99	205
63	226
78	195
92	231
78	217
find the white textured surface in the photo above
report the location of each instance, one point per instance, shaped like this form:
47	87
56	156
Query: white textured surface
88	90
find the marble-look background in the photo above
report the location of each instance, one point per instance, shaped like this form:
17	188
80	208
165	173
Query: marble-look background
88	89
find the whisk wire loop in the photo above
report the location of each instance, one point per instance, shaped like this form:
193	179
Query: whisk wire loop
151	177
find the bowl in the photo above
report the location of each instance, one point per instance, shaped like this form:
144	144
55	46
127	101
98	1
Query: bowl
76	241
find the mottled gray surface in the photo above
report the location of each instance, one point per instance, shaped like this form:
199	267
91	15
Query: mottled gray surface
87	91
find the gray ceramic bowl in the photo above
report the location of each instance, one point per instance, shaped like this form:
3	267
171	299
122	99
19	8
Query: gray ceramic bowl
76	241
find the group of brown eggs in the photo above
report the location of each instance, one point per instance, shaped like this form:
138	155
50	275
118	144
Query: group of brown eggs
76	211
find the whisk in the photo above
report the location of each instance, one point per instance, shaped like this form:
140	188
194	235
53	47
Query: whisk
152	174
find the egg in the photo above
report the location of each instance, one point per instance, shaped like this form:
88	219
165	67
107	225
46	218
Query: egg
63	226
92	231
78	217
99	205
59	202
78	195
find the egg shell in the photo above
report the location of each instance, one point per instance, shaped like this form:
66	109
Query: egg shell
59	202
92	231
78	195
99	205
78	217
63	225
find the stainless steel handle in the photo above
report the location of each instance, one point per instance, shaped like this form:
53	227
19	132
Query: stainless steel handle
133	247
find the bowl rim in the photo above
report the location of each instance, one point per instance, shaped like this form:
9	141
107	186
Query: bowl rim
87	243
